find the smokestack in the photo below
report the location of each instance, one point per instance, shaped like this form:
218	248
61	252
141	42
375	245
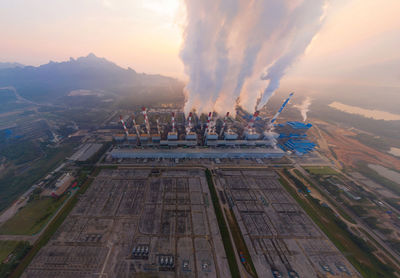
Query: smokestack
189	124
146	120
123	124
212	123
280	109
224	124
135	125
158	127
253	118
173	121
208	123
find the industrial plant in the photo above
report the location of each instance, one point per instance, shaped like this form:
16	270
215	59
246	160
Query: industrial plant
175	135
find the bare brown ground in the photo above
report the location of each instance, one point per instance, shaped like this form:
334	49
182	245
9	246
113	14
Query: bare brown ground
348	151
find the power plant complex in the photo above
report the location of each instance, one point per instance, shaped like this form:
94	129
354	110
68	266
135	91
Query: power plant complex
175	135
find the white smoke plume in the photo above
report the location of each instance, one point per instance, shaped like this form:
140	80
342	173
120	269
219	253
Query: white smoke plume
234	48
304	107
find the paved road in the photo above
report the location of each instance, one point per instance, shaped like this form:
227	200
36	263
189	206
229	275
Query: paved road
33	238
357	219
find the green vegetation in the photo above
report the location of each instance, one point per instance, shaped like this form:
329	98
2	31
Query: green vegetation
394	202
20	151
50	230
361	208
20	249
387	129
374	142
356	250
240	243
13	183
223	228
300	186
372	222
31	218
395	244
360	211
380	246
7	95
9	101
84	118
6	247
363	168
339	209
321	170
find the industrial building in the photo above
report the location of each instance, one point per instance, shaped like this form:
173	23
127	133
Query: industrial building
293	137
193	153
86	151
62	184
249	133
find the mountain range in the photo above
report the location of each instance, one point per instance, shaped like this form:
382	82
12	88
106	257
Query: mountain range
55	80
10	65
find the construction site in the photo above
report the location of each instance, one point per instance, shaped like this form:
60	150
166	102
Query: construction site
138	223
160	134
281	239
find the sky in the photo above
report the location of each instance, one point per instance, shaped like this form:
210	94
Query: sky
358	42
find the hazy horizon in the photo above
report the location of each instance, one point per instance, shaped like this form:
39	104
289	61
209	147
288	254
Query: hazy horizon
356	44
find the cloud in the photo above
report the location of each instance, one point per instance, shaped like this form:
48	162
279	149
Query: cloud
234	48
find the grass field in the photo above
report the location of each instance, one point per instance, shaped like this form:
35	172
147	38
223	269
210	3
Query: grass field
13	184
31	218
352	247
223	228
50	230
321	170
339	209
18	251
240	243
6	247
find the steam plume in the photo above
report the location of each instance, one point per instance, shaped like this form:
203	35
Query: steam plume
234	48
304	107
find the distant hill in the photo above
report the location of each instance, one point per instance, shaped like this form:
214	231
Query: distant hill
53	81
10	65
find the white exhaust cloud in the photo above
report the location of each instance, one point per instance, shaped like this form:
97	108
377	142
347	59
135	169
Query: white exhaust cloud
234	48
304	107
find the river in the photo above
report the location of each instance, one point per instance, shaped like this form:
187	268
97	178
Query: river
384	172
368	113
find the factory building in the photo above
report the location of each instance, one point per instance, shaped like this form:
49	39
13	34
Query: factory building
190	132
119	137
144	138
172	135
292	127
156	138
293	137
62	184
230	135
195	153
132	138
178	143
299	147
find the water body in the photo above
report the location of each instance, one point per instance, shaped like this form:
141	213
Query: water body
384	172
395	151
368	113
